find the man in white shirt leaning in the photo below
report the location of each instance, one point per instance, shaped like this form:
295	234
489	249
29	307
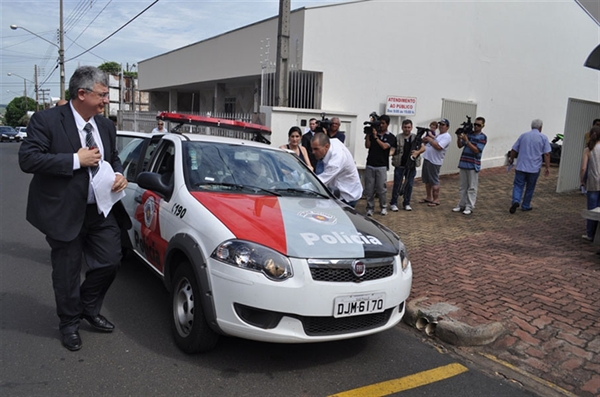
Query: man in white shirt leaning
340	170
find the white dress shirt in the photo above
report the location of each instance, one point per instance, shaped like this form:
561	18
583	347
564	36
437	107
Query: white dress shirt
341	172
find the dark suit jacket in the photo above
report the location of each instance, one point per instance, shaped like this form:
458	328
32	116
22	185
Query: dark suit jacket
306	143
57	199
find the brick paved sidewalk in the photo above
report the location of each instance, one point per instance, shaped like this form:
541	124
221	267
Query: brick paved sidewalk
531	271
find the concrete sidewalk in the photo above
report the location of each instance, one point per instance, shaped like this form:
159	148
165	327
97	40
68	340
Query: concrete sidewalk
531	272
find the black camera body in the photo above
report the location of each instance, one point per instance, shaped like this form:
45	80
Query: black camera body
372	123
466	127
323	124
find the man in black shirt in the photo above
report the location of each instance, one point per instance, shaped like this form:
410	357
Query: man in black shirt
381	144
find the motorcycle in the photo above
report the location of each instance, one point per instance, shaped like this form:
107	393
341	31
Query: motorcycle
555	152
556	146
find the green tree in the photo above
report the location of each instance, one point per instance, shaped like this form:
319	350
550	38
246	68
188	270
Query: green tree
24	120
110	67
15	110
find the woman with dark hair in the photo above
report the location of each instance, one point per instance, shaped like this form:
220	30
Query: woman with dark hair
294	138
591	163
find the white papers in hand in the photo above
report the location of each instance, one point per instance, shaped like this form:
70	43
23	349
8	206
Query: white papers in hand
102	183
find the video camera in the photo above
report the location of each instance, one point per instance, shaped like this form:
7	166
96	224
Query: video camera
422	131
465	128
372	123
323	124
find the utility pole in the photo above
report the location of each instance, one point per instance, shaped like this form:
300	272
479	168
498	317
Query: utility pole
61	53
26	103
283	50
37	96
44	91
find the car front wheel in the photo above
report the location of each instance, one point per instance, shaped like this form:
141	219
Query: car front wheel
190	328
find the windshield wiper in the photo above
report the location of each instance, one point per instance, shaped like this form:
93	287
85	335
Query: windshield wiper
237	186
303	191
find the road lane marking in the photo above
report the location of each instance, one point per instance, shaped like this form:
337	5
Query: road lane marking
527	374
408	382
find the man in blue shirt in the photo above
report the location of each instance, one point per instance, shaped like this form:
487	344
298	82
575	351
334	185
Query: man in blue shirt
469	165
530	147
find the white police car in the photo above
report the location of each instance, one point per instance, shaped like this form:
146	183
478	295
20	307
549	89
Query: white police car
251	244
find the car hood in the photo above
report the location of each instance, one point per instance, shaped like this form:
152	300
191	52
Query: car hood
301	227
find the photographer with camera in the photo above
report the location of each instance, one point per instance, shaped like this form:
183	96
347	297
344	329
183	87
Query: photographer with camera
405	160
381	145
433	158
471	140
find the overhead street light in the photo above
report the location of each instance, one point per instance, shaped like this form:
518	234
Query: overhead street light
16	75
61	50
24	87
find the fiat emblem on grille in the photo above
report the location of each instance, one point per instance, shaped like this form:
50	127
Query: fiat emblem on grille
359	268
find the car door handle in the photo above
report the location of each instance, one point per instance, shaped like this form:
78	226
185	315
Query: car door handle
138	198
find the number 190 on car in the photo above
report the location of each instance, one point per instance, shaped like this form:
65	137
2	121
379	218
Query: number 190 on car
356	305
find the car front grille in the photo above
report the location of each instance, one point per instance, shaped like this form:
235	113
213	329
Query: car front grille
317	326
340	271
320	326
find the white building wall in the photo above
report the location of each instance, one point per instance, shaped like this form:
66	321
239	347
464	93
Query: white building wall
238	53
517	60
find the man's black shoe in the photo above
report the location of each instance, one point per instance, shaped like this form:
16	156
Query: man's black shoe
513	208
72	341
100	323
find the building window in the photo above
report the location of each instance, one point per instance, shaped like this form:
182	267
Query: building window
230	105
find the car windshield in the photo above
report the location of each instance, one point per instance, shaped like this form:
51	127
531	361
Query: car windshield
247	169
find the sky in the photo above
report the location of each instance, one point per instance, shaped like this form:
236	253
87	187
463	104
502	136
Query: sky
165	26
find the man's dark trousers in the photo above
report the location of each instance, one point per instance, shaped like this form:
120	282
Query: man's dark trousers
96	242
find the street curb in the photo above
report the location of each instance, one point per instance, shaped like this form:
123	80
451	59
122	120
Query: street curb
433	319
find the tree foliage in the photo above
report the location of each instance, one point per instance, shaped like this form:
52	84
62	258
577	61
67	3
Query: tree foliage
15	110
110	67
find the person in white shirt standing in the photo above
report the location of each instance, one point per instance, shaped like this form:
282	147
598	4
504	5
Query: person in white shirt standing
339	168
433	158
160	127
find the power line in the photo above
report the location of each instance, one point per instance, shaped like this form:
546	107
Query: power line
89	24
75	16
115	32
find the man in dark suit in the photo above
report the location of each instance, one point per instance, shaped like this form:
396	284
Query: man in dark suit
63	149
306	138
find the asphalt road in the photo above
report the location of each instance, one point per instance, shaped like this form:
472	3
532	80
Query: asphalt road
140	358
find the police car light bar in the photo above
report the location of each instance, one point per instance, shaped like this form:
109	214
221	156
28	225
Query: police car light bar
256	129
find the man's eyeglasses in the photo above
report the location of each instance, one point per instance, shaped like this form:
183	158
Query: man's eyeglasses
160	125
478	125
100	94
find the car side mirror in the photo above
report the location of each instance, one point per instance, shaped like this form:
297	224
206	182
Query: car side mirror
161	184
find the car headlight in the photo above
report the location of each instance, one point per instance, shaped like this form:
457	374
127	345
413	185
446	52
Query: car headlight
404	262
251	256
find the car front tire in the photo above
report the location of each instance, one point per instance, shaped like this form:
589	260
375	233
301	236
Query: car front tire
190	329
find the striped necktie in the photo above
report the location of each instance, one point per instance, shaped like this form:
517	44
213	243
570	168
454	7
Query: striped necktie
90	143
